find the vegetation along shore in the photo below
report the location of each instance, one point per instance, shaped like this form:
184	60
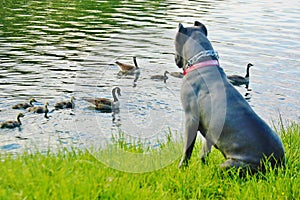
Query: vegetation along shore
77	174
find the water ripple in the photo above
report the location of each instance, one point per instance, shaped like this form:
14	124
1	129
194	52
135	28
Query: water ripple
53	51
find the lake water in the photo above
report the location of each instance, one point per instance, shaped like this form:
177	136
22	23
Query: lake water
52	50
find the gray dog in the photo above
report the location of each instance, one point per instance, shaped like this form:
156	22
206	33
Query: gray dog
216	109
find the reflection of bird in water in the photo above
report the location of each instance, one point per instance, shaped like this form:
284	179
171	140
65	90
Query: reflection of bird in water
40	109
11	123
126	69
116	118
24	105
239	80
105	104
247	96
160	77
177	74
65	104
136	77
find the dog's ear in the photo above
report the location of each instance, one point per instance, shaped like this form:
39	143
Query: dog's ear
196	23
181	29
202	27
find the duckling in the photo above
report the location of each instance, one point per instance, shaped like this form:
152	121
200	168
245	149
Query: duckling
40	109
160	77
24	105
65	104
11	123
104	104
239	80
177	74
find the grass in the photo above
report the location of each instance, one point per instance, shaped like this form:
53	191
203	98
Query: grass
78	174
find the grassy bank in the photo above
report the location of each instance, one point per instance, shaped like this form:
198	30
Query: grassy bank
77	174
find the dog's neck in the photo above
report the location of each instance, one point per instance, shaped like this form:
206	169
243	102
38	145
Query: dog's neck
202	59
201	64
202	56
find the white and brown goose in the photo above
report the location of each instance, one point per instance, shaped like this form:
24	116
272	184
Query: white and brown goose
105	104
12	123
65	104
128	68
40	109
24	105
240	80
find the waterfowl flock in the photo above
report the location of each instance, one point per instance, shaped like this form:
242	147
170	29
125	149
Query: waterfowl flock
29	107
101	104
105	104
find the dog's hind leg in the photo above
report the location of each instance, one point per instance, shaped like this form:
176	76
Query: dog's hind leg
234	163
191	128
206	149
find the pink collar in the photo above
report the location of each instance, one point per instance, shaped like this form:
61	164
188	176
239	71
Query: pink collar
201	64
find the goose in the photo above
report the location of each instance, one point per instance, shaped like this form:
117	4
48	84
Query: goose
239	80
160	77
65	104
11	123
24	105
105	104
40	109
177	74
127	68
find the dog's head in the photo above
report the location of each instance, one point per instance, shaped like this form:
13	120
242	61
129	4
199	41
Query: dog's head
189	41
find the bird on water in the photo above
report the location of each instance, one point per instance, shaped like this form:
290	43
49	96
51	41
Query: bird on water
128	68
24	105
40	109
65	104
240	80
160	77
12	123
105	104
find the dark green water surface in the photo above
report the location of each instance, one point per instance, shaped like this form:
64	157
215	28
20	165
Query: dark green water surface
52	50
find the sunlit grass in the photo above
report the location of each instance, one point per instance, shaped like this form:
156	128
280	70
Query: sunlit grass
77	174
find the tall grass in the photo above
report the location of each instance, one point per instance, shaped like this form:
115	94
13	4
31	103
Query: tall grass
77	174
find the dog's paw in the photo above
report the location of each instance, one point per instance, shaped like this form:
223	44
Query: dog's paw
203	160
183	164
